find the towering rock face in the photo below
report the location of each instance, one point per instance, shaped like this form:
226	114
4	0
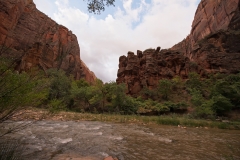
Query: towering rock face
214	41
211	17
212	46
38	41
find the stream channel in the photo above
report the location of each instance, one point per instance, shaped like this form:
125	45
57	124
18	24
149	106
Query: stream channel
92	140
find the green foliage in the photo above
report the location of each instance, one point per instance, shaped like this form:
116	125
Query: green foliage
216	95
175	106
221	105
59	86
56	105
228	87
165	88
122	103
82	94
194	81
96	6
197	98
81	83
150	106
14	90
19	90
203	108
150	93
177	83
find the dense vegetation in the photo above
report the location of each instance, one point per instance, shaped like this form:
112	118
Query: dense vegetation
214	96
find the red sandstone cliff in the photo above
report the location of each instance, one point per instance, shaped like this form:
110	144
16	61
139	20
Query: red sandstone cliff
89	75
38	41
214	41
212	46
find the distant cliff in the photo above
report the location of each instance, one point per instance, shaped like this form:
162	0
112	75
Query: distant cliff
38	41
213	46
214	41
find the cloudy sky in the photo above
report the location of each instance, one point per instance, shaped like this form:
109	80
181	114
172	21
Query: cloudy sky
129	26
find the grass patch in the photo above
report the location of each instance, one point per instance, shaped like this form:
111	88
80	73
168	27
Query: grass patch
174	120
168	121
189	122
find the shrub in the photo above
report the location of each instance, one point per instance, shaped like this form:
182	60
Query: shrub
194	81
205	110
149	93
60	85
56	105
165	88
221	105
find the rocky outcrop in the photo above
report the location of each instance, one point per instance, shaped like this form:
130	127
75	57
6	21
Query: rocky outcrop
214	41
146	68
211	17
38	41
213	46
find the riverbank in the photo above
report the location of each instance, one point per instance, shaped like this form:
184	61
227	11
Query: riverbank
182	121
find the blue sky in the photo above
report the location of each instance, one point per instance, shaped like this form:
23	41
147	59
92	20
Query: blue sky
129	26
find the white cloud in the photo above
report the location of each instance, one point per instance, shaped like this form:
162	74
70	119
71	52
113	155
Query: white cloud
46	6
161	23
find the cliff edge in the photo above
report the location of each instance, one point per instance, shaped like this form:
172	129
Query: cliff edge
213	46
35	40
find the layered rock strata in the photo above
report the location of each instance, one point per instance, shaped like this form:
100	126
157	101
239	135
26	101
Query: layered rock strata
213	46
146	68
38	41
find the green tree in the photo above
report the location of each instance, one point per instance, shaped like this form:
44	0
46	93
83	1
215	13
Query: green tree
149	93
60	84
194	81
121	103
203	107
228	87
59	90
85	97
177	83
96	6
221	105
165	88
14	91
17	93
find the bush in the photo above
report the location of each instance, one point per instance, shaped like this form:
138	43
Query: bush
56	105
197	98
205	110
228	87
60	85
165	88
221	105
176	106
194	81
146	92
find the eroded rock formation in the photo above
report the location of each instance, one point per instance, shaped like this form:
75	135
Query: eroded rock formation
38	41
212	46
214	41
146	68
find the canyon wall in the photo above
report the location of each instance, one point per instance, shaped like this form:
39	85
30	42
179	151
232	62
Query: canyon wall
213	46
35	40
